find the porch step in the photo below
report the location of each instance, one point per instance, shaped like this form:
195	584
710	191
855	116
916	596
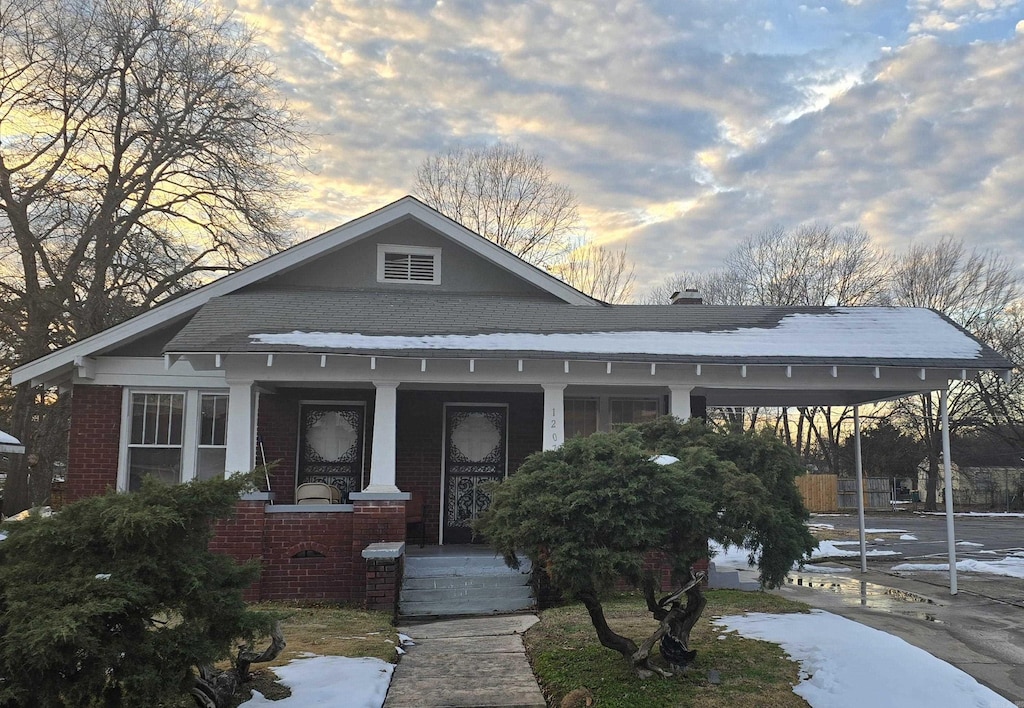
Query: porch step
471	584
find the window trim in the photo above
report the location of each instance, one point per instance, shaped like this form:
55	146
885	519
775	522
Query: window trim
385	249
190	433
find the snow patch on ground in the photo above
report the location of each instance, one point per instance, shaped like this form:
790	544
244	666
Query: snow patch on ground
832	549
885	531
1004	515
970	543
1011	566
844	664
908	537
330	681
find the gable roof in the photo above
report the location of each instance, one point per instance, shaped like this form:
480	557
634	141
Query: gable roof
51	365
500	326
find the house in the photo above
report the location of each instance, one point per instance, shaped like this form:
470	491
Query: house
406	362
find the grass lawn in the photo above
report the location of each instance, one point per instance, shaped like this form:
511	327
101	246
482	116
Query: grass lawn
329	630
566	655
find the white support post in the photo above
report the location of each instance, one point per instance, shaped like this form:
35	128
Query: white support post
382	460
947	470
858	467
241	436
679	402
554	416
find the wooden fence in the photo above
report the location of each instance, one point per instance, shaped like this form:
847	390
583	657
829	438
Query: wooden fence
877	493
819	491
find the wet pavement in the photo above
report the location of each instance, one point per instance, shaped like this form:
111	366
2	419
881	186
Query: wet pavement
980	630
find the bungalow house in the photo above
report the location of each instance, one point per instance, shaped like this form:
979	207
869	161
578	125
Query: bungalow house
405	361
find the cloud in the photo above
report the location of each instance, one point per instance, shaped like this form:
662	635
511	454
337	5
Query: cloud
681	131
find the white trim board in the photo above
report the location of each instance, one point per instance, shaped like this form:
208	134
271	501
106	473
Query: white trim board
48	367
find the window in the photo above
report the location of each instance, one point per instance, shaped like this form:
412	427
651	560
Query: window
408	264
625	411
174	435
213	418
580	416
154	446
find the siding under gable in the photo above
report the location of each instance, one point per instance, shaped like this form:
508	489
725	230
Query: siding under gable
354	266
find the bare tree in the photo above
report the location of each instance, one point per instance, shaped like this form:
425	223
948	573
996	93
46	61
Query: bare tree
1002	401
598	271
506	195
141	146
815	265
973	288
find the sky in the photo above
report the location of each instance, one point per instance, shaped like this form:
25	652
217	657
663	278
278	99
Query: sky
683	128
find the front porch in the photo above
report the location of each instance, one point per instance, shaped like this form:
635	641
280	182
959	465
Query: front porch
435	448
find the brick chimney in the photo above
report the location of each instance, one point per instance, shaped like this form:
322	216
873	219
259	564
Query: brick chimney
690	296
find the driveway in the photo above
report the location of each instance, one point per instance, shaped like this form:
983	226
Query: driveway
980	630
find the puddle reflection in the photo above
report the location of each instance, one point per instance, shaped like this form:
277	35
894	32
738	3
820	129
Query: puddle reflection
871	595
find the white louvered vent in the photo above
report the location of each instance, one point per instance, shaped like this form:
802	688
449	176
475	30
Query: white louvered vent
408	264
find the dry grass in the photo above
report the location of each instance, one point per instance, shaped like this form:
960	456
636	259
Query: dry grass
333	630
566	655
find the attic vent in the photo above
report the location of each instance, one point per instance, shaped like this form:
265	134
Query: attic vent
408	264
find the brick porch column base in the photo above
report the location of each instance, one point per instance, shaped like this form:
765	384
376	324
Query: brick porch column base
378	518
384	565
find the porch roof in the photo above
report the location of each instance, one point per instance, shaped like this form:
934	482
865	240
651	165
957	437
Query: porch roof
414	324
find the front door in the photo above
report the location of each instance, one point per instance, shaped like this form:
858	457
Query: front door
475	455
331	445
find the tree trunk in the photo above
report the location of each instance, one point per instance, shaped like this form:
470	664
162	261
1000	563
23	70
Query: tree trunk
215	689
607	637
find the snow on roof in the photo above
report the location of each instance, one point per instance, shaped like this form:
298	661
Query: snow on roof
871	332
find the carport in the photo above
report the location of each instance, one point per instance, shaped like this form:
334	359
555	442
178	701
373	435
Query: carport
807	382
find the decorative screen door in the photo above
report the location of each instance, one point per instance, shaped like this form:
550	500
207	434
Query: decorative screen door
475	455
331	445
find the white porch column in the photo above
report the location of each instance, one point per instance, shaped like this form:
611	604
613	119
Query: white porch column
240	438
385	419
947	471
554	416
679	402
858	469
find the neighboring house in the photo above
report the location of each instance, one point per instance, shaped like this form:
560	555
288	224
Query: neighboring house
401	353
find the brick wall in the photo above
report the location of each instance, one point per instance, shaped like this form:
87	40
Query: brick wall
241	537
383	583
313	556
330	573
278	427
94	441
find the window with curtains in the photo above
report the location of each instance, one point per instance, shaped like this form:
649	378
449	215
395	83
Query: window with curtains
580	416
175	436
625	411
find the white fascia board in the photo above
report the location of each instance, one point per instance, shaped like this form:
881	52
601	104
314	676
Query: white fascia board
150	371
47	367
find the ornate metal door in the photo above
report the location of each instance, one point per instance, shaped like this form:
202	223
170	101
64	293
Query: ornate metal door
475	454
331	446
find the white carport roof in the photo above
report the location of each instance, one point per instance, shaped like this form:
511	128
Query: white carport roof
9	443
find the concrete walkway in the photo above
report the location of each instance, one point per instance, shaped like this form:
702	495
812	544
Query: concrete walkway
473	661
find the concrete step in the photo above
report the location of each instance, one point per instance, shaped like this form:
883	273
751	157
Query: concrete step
439	566
463	606
522	592
437	582
730	579
470	584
